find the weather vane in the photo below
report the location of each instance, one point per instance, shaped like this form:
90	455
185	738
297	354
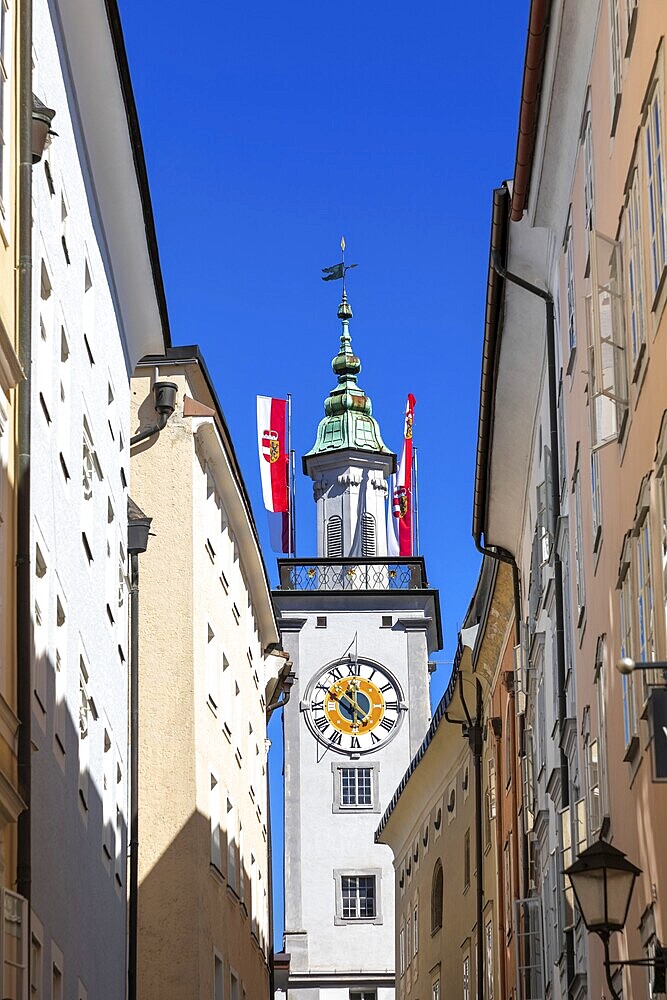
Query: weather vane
338	270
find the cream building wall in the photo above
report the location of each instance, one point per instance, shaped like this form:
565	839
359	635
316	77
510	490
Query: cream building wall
207	674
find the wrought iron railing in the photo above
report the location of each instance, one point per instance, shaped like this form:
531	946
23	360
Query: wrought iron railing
352	574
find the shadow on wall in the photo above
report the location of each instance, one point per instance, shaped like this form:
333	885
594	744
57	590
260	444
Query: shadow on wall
188	911
78	828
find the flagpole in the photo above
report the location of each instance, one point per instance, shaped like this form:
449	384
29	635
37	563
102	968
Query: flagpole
290	530
293	501
415	489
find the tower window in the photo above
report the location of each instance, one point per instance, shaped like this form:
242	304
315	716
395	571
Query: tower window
335	537
358	896
321	621
387	621
356	786
367	535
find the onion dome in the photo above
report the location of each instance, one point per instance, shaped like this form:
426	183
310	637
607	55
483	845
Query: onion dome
348	421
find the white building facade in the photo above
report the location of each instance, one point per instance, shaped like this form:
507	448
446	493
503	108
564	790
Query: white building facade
97	307
360	630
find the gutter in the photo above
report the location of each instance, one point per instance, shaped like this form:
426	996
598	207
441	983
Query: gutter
23	396
491	346
529	109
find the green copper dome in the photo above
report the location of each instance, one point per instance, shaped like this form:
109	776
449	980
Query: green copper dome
348	422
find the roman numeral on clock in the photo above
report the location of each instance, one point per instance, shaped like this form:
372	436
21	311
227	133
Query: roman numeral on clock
387	724
391	706
355	744
355	668
336	673
322	723
374	738
336	738
317	706
385	687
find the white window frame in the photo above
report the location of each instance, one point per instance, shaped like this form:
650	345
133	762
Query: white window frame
356	873
232	832
64	401
634	254
218	976
338	770
488	956
580	582
616	60
570	289
626	620
108	795
655	186
41	624
645	602
607	341
211	662
466	977
596	499
215	801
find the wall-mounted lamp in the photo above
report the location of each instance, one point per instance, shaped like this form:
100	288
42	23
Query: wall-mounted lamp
41	128
603	880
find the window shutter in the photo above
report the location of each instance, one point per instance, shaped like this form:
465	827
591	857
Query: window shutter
335	537
367	535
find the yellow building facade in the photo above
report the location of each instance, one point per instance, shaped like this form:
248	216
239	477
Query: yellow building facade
209	672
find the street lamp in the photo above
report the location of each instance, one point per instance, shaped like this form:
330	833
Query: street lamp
602	880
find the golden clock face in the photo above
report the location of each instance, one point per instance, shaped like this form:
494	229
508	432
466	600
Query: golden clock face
355	706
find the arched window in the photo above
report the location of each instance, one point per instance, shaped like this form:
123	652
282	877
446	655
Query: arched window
367	535
335	537
437	892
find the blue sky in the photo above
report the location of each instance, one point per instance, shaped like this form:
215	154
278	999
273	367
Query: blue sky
272	129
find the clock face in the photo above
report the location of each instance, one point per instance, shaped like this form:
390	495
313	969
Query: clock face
354	706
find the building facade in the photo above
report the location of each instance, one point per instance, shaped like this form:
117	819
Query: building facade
208	674
97	307
11	374
359	629
452	840
571	457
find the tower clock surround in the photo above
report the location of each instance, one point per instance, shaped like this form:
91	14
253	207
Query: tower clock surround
354	706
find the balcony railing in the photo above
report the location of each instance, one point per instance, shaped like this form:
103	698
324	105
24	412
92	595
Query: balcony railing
353	574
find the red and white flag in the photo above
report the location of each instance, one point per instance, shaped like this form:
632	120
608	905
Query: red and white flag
273	453
272	442
400	513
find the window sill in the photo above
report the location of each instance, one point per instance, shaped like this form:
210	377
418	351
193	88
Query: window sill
216	873
632	28
597	542
351	921
631	749
658	299
615	113
571	360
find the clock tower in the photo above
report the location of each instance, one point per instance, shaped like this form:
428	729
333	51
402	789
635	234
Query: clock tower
360	629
